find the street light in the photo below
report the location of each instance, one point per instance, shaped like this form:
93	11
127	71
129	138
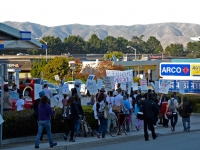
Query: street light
45	43
133	49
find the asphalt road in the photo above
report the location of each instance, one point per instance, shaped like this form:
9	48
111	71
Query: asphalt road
183	141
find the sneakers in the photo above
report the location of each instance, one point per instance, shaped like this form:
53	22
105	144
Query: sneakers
71	140
37	147
172	129
156	136
65	137
98	135
54	144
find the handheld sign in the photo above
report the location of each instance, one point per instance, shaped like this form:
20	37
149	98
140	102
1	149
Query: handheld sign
92	87
56	77
107	83
164	86
135	86
143	84
65	89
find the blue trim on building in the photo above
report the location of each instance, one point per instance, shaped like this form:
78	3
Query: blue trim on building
1	46
25	39
25	32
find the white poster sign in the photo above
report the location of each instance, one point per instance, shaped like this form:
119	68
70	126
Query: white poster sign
164	86
135	86
107	83
37	89
58	97
92	87
121	76
181	88
123	86
1	119
65	89
143	84
56	77
99	83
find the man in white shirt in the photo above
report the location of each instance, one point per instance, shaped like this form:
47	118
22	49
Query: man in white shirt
20	103
47	92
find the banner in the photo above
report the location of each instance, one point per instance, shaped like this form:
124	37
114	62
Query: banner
181	88
143	84
164	86
92	87
107	83
121	76
135	86
155	86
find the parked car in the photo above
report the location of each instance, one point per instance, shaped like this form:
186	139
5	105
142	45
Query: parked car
15	96
71	85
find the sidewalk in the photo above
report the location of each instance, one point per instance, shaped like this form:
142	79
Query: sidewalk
28	142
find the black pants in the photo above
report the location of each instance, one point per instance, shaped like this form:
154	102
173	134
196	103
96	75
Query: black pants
174	119
70	127
148	122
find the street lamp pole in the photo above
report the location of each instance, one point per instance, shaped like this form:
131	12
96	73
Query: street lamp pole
133	49
45	43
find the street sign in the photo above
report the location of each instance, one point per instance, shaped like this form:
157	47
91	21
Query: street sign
190	86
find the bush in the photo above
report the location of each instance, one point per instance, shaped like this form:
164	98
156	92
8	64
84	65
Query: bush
22	123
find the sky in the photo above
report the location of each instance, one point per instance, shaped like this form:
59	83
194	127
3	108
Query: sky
100	12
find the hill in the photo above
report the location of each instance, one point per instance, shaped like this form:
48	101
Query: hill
166	33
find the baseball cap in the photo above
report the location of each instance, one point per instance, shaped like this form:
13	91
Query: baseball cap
41	93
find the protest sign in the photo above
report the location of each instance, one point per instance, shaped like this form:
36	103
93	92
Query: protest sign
99	83
1	119
156	86
121	76
90	77
123	86
65	89
129	88
37	89
164	86
135	86
181	88
92	87
56	77
143	84
107	83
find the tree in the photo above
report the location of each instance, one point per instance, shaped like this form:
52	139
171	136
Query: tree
175	50
94	44
138	43
110	55
37	67
153	46
57	66
77	68
75	44
106	65
111	43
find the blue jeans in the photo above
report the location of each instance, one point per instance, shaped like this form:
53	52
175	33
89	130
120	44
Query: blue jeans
41	125
174	119
77	126
184	120
103	125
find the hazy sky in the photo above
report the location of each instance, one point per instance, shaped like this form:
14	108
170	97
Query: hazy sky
98	12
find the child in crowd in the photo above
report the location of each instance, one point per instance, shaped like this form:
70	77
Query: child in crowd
20	103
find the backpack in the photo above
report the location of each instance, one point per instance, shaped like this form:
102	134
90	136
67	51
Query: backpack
66	112
172	106
189	109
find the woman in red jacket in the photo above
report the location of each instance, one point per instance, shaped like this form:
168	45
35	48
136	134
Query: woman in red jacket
163	110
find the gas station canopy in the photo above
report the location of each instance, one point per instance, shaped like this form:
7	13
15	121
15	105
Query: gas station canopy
11	38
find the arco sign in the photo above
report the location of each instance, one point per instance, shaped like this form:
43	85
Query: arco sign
180	70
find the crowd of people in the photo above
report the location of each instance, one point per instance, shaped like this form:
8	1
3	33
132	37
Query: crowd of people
156	110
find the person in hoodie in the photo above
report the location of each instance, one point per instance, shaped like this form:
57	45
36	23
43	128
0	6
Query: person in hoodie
149	110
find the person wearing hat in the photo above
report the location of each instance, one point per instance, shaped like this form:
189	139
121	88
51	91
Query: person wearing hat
35	114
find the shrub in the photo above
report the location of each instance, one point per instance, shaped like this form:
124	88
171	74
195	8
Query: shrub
22	123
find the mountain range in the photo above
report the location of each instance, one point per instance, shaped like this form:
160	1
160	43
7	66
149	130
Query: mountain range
166	33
